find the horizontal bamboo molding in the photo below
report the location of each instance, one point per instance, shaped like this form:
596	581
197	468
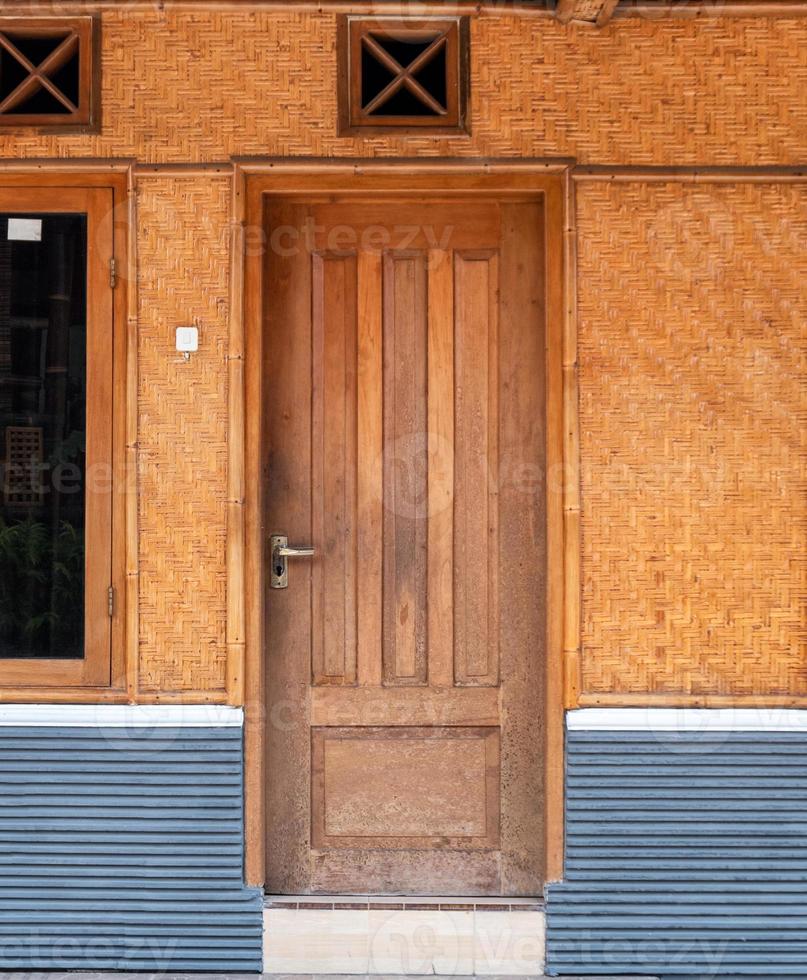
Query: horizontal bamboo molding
691	303
204	85
183	268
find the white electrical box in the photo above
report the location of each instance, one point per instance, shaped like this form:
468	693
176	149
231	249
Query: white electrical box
25	229
187	340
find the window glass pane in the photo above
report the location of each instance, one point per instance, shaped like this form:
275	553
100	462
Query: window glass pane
43	331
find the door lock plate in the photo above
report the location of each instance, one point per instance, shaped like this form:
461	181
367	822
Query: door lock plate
279	577
280	552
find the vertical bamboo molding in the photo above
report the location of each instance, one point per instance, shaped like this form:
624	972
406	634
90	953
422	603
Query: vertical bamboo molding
131	477
248	205
556	275
235	555
571	463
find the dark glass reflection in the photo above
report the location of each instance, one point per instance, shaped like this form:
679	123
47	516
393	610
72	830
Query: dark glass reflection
43	334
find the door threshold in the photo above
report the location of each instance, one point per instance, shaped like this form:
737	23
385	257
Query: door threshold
448	903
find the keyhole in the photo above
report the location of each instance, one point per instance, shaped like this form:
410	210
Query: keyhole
279	570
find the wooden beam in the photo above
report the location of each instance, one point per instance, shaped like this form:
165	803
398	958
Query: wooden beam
651	9
607	11
596	12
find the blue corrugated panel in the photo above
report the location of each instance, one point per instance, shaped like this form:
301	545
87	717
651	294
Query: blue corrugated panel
122	849
686	855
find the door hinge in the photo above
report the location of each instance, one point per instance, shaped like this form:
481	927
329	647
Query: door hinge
113	273
110	596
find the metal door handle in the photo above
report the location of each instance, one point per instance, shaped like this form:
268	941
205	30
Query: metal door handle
287	552
280	552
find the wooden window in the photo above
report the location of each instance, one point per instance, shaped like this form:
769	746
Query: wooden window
48	68
395	74
58	425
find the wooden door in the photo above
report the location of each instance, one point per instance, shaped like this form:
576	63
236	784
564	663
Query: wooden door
404	413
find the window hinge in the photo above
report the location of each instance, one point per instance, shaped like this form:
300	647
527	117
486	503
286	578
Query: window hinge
113	273
111	600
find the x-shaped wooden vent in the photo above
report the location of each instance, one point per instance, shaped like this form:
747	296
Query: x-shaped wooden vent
403	74
46	71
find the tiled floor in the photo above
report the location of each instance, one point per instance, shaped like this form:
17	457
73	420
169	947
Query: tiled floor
266	976
414	939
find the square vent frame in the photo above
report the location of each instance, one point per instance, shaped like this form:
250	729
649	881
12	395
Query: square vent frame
38	52
420	106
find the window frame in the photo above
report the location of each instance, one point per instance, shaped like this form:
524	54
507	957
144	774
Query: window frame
87	117
102	671
353	121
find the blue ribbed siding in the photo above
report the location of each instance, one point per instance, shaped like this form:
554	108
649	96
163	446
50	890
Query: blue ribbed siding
122	849
686	855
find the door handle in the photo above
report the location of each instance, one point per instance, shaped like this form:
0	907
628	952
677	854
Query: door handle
281	551
285	552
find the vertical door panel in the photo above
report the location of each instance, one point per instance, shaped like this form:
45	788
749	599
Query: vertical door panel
370	425
333	469
404	337
440	569
476	463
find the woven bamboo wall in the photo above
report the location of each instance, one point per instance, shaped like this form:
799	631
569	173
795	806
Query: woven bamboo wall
692	306
203	86
183	256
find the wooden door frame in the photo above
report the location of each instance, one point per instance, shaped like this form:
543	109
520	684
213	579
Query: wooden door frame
252	179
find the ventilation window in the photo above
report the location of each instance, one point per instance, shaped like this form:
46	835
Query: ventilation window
46	71
399	75
23	485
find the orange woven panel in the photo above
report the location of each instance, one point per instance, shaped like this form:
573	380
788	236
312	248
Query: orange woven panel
692	304
183	256
204	85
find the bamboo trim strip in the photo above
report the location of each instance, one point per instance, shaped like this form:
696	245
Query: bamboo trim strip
652	10
691	701
364	165
692	175
131	475
557	275
571	461
297	166
96	165
235	554
249	209
183	169
101	695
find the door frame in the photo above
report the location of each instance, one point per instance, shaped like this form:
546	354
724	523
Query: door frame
252	180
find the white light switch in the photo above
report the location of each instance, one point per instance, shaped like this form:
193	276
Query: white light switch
187	340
